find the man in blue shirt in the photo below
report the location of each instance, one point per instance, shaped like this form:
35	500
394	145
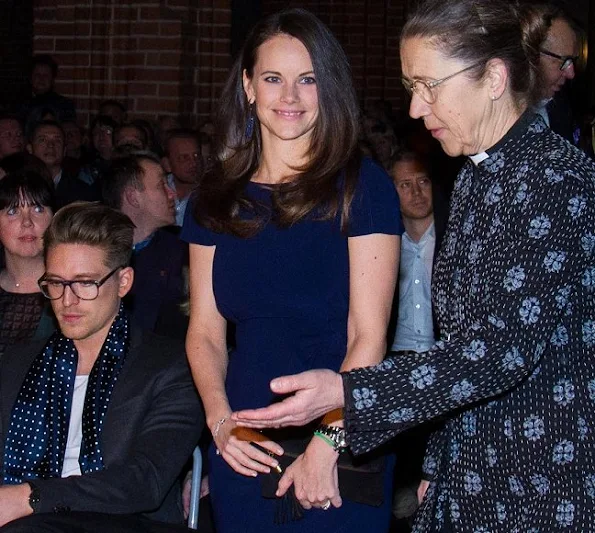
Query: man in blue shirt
414	325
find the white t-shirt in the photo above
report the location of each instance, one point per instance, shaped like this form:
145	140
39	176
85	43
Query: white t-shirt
71	465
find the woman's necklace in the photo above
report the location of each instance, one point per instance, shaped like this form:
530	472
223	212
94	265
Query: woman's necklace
10	281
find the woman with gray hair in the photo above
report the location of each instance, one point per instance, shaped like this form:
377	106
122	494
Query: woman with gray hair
513	374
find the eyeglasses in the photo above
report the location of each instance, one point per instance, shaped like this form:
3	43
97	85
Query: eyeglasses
84	289
566	60
425	88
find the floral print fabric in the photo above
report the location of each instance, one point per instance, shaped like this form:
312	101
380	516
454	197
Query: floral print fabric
514	372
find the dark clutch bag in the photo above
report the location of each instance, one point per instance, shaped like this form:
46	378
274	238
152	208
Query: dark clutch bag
360	480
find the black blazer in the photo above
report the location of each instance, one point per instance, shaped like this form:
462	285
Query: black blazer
153	423
159	288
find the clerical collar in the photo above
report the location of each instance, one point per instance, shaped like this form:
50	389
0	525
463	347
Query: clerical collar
478	158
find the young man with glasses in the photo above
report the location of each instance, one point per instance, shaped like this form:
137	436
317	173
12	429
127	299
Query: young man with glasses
96	422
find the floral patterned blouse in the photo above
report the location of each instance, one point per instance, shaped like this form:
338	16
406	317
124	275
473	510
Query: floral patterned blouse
514	372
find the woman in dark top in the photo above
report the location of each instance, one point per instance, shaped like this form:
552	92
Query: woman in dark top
294	239
26	209
513	373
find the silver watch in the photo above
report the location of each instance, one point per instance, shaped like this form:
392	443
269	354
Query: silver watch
334	434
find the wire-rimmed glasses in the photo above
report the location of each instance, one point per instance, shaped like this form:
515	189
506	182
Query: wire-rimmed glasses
425	88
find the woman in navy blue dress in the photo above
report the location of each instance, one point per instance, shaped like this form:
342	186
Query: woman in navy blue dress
293	238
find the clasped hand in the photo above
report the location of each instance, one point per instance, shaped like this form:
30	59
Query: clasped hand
314	476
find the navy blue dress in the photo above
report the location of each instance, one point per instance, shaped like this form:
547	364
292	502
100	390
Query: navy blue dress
287	291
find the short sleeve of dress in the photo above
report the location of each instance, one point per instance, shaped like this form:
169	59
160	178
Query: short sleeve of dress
195	233
375	206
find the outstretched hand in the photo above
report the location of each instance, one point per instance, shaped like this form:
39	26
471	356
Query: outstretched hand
313	394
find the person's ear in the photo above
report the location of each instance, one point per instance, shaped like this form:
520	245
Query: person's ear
165	164
496	77
131	197
30	148
125	281
248	88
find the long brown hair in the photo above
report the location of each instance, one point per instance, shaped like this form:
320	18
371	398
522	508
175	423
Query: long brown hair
221	196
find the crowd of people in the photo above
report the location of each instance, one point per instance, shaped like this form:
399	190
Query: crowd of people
322	296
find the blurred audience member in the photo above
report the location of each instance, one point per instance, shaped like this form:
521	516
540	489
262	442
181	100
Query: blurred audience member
75	140
102	137
113	109
43	75
183	161
383	144
137	186
101	152
48	144
165	125
74	148
205	134
26	207
130	135
152	142
12	139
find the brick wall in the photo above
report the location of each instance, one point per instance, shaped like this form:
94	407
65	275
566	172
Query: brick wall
161	57
172	56
369	32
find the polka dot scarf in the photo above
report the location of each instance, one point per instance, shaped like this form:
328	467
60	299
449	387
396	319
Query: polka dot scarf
38	429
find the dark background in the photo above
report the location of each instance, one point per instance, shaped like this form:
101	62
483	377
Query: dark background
170	57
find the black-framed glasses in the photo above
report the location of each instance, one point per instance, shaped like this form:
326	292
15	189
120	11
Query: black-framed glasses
84	289
425	88
566	61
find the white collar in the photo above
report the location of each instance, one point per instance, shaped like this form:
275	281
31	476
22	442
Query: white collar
478	158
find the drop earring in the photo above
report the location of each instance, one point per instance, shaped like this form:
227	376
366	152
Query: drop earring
250	123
